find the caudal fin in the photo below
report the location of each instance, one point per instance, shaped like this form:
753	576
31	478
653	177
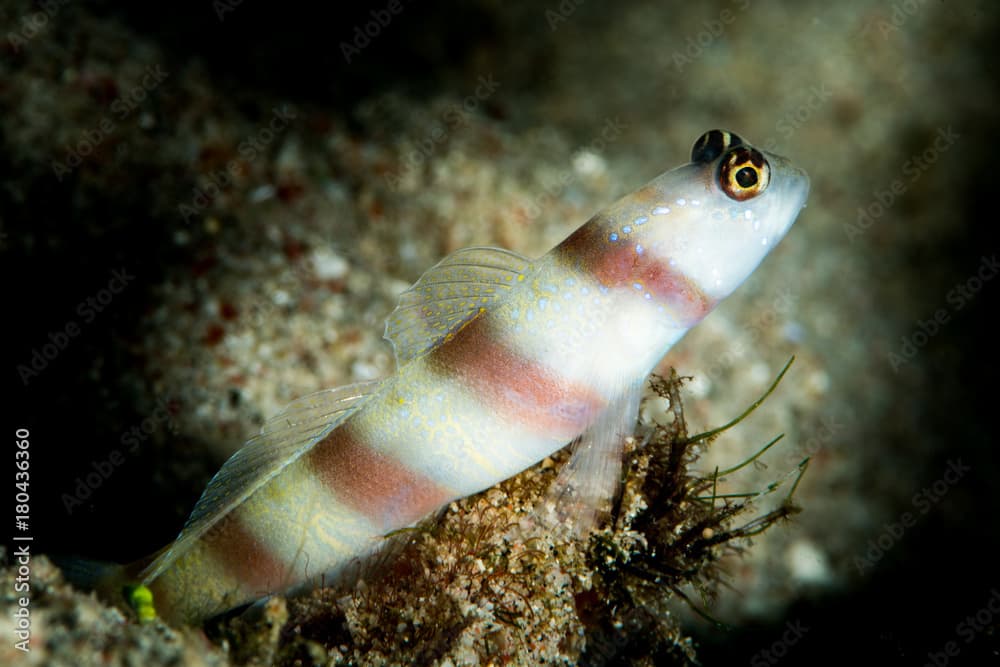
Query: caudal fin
90	575
113	583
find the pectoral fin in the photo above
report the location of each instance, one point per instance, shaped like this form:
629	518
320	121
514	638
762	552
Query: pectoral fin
582	493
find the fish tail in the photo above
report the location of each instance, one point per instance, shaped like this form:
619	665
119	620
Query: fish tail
112	582
90	575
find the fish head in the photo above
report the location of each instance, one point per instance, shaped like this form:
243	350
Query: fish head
718	216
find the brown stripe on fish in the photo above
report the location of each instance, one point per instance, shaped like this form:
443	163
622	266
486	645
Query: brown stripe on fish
195	588
621	264
376	485
522	390
249	559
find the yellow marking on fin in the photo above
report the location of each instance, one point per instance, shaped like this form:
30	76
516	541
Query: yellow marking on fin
140	598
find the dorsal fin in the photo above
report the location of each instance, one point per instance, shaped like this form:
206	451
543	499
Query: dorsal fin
448	295
282	440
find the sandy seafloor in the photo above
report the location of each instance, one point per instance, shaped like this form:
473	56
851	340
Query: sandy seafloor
509	124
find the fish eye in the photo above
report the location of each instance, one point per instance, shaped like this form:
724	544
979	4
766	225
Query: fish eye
712	144
744	173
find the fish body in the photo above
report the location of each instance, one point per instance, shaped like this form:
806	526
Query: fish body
501	362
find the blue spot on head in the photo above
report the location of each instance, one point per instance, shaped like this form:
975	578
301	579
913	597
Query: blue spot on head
638	248
627	229
613	237
641	220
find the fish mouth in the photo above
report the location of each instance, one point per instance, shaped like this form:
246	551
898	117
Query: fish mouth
794	185
799	185
803	184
